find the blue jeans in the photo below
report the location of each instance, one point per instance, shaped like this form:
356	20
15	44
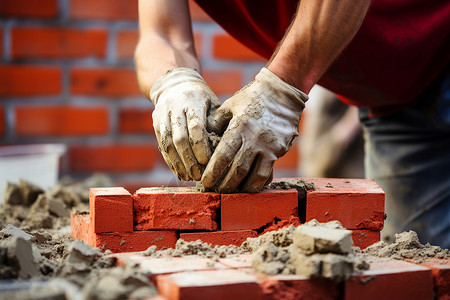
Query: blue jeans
408	154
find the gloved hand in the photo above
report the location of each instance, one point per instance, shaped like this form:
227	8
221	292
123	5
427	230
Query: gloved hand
182	102
262	119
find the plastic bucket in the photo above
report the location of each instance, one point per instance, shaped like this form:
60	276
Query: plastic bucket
37	163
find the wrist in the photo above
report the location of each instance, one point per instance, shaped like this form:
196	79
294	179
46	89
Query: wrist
271	79
172	78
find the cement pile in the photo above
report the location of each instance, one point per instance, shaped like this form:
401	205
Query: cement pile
183	248
312	250
29	206
36	248
406	246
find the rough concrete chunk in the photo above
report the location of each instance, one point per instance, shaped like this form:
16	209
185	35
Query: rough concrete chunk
309	266
14	231
19	254
29	192
336	267
57	208
321	239
12	194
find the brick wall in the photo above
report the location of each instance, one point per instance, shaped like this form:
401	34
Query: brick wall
67	76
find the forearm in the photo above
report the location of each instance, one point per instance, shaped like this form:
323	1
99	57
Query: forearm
317	35
165	41
154	56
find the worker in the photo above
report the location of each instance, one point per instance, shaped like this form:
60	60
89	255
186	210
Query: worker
389	58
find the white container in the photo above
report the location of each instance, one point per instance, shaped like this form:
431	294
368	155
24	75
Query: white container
36	163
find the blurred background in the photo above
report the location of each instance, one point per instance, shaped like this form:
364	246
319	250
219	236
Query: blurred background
67	77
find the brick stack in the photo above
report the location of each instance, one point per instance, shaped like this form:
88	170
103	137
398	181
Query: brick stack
123	222
67	76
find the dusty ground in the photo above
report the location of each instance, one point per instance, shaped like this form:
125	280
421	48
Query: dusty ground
39	260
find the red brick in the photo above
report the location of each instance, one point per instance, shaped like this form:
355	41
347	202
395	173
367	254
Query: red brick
111	209
363	238
220	238
253	211
391	280
44	9
82	229
59	120
242	261
103	10
217	285
157	266
440	268
286	287
48	42
28	80
356	203
175	208
133	120
223	82
289	161
227	47
104	82
197	13
113	158
2	121
128	39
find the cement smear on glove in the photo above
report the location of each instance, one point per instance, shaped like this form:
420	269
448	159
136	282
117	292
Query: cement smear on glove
406	246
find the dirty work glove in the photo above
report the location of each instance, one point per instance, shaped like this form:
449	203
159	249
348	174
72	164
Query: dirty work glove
182	102
261	121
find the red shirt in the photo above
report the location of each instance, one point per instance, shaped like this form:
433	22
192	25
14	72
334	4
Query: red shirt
401	47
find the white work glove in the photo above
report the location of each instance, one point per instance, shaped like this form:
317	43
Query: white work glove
261	122
182	102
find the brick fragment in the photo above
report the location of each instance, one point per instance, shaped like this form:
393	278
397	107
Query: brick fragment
50	42
440	268
391	280
363	238
42	9
294	287
175	208
253	211
218	285
356	203
82	229
219	238
111	209
58	120
29	80
113	158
